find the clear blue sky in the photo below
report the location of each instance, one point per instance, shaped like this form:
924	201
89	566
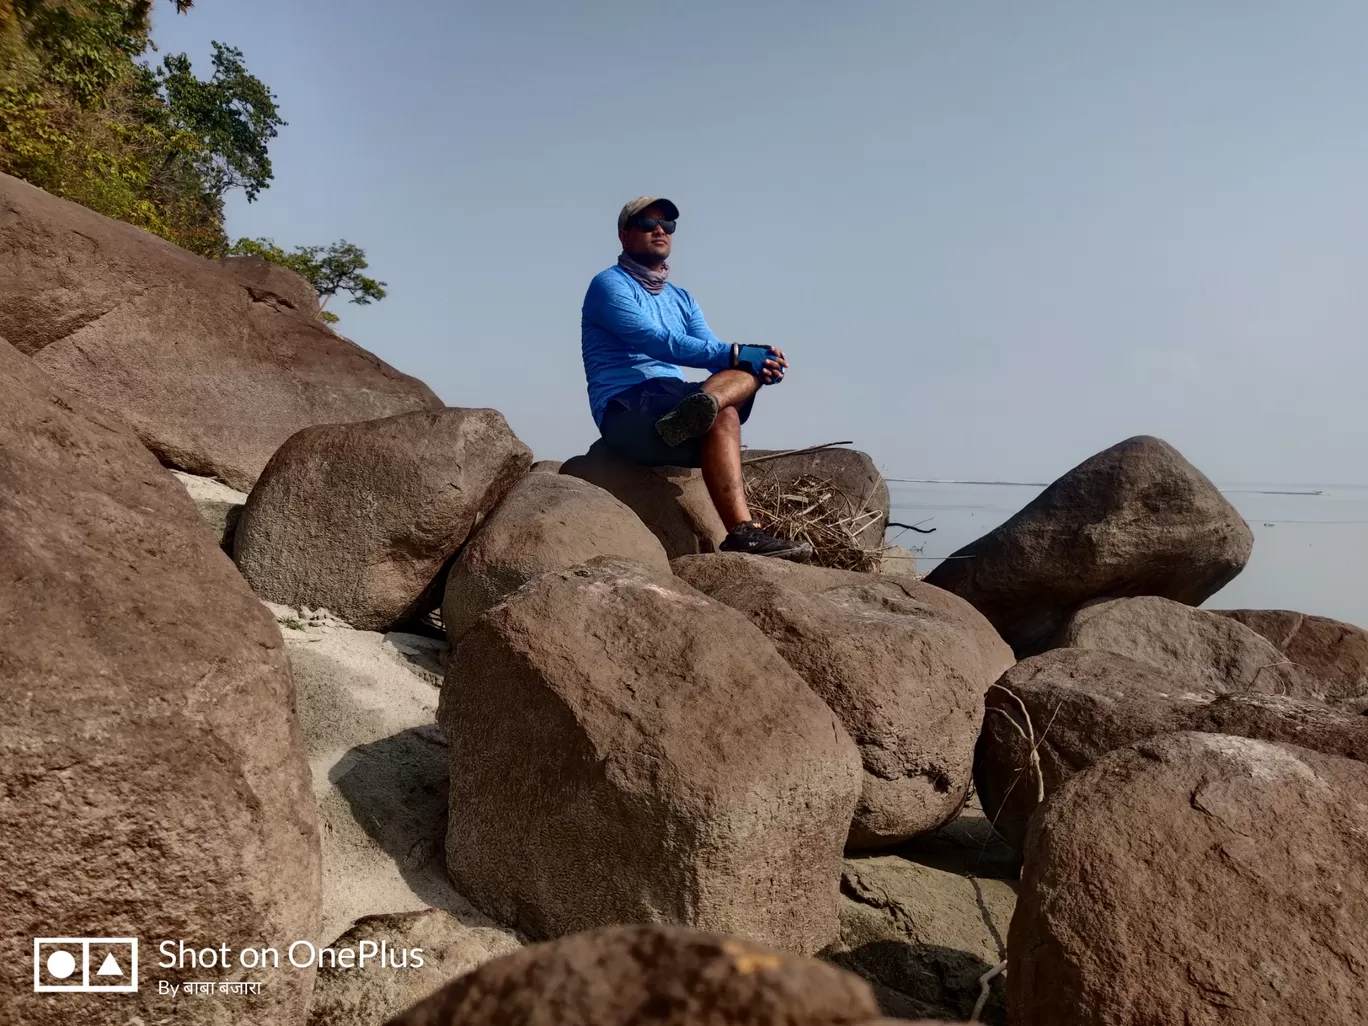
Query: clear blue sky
993	237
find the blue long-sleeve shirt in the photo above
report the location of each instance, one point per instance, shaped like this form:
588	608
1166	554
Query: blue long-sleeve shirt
628	335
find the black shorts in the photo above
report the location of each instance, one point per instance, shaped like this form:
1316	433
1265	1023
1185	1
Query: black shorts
629	423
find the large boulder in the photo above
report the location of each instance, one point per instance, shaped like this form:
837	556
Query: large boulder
1136	519
546	522
903	664
423	951
672	501
1218	653
266	280
1071	706
1196	878
853	487
151	761
213	366
362	518
1334	651
924	936
625	749
665	975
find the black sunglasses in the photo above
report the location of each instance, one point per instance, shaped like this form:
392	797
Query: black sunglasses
648	224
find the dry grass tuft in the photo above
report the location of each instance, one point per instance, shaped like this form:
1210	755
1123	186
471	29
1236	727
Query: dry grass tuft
811	509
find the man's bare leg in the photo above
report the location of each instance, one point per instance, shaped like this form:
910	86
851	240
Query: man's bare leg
722	446
722	468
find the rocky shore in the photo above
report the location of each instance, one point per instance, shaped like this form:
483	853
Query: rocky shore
292	653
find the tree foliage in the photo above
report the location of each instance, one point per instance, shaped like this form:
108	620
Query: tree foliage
81	117
84	117
232	117
330	269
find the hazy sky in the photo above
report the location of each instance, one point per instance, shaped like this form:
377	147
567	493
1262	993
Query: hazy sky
994	237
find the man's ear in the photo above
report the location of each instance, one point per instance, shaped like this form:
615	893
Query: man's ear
622	238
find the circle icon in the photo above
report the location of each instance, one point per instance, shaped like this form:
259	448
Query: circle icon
61	964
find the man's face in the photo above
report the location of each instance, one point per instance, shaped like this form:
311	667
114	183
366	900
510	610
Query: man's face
646	247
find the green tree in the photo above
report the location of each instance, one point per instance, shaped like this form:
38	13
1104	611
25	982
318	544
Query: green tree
232	116
330	269
157	147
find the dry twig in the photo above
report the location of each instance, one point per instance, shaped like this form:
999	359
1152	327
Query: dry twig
811	509
985	983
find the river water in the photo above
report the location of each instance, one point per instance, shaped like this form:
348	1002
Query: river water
1310	541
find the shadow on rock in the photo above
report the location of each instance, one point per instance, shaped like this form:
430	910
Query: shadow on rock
397	791
947	981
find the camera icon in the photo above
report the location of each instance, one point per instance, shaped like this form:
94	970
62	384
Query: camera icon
83	965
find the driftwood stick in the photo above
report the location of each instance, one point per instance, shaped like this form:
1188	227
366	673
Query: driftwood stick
793	452
985	982
913	527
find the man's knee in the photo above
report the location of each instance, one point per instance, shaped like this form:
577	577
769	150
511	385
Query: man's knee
728	421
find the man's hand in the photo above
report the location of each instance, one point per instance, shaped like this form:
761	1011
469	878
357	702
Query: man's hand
765	362
772	369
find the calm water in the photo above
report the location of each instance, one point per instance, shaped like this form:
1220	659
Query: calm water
1310	550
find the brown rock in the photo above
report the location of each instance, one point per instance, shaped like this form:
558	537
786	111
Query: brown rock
362	518
219	506
547	522
546	467
1197	878
421	952
898	561
625	749
904	665
857	487
1136	519
212	371
263	278
664	975
1216	652
1335	652
1083	704
924	934
151	763
672	501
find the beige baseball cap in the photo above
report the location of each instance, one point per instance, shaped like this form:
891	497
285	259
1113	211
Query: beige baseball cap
639	204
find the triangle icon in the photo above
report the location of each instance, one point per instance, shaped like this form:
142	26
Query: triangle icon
109	967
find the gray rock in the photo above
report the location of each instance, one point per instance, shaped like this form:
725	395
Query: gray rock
151	763
625	749
219	506
546	522
446	946
1082	704
211	367
672	501
924	934
662	975
1136	519
1217	652
363	518
1334	651
1196	878
903	664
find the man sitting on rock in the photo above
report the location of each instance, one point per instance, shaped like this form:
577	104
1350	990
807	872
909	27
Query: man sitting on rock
637	330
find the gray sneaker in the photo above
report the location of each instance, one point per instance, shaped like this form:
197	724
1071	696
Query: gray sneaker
748	537
691	417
